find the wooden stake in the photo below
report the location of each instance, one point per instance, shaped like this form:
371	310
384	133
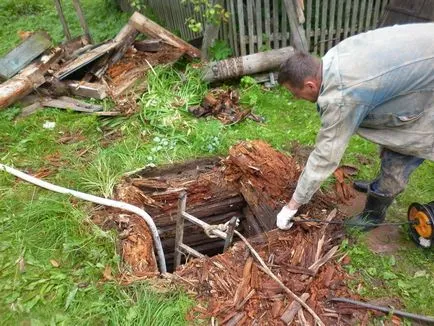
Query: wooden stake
59	9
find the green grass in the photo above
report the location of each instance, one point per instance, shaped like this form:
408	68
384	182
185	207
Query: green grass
39	228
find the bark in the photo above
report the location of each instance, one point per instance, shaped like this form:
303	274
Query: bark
246	65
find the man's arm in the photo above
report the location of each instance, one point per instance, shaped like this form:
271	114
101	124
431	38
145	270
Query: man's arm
338	124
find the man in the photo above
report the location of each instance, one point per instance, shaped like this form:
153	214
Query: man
380	85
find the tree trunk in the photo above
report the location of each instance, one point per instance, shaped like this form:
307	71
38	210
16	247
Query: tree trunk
210	34
247	65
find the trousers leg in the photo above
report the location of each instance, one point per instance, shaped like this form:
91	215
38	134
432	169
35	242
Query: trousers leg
395	172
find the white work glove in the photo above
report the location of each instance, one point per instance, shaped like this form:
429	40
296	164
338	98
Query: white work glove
284	218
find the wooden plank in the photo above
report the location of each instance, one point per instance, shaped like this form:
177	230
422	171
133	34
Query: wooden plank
179	237
59	9
23	54
276	23
84	89
331	24
347	19
339	20
190	251
84	59
28	79
234	27
316	26
284	37
292	310
369	15
82	20
124	39
308	22
241	26
232	44
250	26
70	103
30	109
376	14
153	45
153	30
361	16
354	17
323	28
259	25
383	7
267	23
297	30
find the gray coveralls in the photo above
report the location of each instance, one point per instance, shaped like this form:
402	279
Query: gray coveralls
380	85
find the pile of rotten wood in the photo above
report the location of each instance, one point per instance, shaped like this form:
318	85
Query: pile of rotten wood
113	68
225	106
234	289
252	183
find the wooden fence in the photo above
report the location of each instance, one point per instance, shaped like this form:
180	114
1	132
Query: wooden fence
257	25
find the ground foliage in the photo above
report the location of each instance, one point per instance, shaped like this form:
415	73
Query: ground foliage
52	258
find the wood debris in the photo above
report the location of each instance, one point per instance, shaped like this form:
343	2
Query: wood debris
225	106
116	68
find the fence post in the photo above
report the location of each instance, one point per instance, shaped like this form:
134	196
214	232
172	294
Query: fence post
297	30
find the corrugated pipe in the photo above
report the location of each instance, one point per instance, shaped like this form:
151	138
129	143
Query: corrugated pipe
98	200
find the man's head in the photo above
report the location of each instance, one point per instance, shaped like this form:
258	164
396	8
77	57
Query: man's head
301	74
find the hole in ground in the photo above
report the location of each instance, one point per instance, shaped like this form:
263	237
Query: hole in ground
252	183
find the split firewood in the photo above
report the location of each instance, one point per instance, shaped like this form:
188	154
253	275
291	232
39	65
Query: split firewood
153	30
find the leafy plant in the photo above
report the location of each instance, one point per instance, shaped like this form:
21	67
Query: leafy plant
210	12
220	50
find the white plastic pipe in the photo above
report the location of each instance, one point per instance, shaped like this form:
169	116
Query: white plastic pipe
98	200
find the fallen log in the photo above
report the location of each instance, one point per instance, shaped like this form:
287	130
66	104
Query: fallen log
153	30
246	65
23	54
28	79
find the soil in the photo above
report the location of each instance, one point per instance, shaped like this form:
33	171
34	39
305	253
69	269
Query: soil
385	239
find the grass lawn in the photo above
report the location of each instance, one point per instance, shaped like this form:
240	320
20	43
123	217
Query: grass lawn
52	258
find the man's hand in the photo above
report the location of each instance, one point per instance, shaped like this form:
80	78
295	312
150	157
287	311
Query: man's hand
286	214
284	218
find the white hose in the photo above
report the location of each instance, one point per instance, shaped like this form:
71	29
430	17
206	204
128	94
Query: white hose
98	200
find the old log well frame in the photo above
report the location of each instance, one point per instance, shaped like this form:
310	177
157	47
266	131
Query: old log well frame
196	206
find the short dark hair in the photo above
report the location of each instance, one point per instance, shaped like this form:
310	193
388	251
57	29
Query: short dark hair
299	66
